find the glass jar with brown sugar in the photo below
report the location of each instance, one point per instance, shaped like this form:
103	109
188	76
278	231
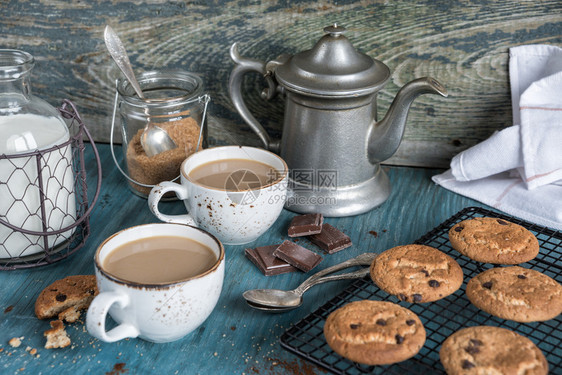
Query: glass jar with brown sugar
175	102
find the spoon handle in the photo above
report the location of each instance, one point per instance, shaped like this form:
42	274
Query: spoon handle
351	275
364	259
119	53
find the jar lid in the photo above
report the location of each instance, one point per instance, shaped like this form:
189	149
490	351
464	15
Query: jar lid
333	67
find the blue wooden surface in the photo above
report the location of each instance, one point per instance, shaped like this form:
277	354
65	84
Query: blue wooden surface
235	339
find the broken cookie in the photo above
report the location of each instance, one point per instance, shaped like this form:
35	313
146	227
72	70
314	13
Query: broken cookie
65	298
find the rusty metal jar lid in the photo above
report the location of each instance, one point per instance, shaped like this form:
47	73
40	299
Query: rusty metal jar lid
332	68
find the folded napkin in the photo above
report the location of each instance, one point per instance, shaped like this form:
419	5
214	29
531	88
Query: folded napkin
518	170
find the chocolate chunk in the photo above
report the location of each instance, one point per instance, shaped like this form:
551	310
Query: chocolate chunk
381	322
410	322
354	326
305	225
269	265
475	342
417	297
425	273
472	349
459	229
434	283
331	239
297	256
399	339
466	364
487	285
522	276
501	222
61	297
402	297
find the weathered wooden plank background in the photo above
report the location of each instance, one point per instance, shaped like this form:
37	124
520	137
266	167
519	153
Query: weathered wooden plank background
463	44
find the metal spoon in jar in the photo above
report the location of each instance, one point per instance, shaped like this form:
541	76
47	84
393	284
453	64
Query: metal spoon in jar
154	139
275	300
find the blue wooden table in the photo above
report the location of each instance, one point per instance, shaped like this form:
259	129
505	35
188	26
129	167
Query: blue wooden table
235	339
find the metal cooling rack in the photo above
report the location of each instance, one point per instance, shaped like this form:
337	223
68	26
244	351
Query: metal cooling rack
440	318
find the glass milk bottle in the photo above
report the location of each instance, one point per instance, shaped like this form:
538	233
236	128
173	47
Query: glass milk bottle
36	176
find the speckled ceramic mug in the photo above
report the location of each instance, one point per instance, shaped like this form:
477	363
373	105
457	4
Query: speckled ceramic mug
234	217
158	313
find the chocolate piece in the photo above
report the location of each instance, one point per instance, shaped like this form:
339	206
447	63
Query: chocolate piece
501	222
306	225
402	297
417	297
297	256
399	339
381	322
521	276
410	322
434	283
472	350
459	229
268	264
425	273
466	364
354	326
331	239
487	285
475	342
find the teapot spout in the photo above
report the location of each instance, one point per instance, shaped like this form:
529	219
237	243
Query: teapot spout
385	136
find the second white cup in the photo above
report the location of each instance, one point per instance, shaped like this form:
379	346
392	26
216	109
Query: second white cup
237	209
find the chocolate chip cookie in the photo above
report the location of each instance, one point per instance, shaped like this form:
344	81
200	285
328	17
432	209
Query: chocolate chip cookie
491	350
516	293
374	332
491	240
65	298
416	273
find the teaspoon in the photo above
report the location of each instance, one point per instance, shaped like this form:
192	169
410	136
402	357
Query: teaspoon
154	139
276	300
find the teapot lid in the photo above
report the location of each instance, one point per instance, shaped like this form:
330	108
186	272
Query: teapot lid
333	67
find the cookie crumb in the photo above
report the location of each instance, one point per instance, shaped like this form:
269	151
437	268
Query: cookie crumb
56	336
14	342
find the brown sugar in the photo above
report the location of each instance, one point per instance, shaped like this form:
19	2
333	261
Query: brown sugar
164	166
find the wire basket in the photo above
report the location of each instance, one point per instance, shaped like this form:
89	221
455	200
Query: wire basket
440	318
45	212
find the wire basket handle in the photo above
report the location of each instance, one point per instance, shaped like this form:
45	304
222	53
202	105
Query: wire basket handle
72	113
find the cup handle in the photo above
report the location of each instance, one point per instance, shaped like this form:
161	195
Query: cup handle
97	313
158	192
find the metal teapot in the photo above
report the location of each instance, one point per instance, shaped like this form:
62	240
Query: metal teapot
331	139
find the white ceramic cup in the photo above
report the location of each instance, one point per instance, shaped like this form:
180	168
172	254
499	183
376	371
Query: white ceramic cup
234	217
157	313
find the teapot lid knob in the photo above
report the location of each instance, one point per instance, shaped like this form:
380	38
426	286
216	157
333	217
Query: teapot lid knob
334	30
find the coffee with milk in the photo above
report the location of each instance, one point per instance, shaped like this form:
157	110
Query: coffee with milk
159	260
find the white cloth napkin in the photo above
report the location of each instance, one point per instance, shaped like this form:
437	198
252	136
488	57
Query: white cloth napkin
518	170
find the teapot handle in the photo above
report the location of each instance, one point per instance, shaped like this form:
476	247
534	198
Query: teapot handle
243	66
